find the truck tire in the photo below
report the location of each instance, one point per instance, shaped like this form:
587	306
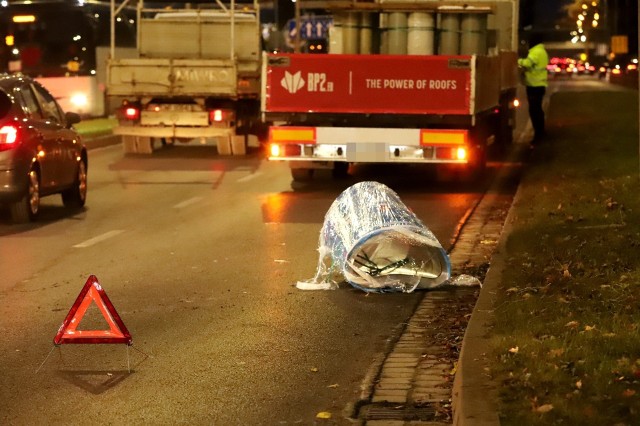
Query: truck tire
340	169
301	175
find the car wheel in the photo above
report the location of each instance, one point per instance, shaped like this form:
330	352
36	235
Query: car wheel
28	207
76	196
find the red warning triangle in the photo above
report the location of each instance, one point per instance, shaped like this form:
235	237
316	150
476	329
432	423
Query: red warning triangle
68	332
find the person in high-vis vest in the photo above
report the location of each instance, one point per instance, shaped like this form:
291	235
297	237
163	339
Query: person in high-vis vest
535	78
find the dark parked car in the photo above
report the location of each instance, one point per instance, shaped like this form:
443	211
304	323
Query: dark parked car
40	152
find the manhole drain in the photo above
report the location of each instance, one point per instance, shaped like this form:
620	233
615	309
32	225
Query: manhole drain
373	412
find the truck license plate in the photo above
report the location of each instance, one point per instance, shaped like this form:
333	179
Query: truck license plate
369	152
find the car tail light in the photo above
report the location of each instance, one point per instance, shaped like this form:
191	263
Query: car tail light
8	137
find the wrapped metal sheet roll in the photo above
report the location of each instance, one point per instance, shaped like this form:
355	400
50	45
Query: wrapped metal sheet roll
449	30
336	39
377	244
473	34
384	35
420	38
351	33
397	33
344	33
366	34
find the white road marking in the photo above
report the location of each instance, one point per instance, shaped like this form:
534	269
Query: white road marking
249	177
99	238
188	202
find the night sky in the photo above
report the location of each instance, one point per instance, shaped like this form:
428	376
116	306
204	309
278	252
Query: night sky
542	14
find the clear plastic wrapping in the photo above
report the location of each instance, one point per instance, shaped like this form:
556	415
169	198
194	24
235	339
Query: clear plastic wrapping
374	242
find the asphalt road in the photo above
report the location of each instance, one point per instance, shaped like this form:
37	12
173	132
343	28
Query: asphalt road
199	255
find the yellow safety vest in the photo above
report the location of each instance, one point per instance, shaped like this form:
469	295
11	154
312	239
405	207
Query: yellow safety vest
535	66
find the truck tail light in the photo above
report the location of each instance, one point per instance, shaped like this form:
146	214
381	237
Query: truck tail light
275	150
131	113
216	116
288	141
458	153
449	144
8	137
285	150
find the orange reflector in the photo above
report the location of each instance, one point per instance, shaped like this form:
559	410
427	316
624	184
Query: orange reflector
292	134
443	137
24	19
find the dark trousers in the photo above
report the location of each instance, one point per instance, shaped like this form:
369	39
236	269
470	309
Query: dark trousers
536	113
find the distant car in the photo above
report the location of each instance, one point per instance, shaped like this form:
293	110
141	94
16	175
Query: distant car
40	151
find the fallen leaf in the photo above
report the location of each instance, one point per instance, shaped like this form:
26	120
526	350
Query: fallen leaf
514	350
544	408
323	415
572	324
314	369
333	386
579	384
556	352
512	290
628	392
589	327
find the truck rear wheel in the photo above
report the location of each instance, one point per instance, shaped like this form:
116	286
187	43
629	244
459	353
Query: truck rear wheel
301	175
340	170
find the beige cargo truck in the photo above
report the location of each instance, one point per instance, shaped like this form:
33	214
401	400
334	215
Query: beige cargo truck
195	78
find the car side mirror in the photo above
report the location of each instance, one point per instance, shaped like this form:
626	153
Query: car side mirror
72	118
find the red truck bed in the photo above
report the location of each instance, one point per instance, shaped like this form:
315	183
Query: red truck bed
373	84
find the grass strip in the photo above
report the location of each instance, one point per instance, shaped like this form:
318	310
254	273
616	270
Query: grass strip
96	127
565	341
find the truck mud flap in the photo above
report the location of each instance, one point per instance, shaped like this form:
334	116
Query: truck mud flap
137	144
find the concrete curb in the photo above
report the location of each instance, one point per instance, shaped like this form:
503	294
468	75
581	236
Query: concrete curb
474	395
